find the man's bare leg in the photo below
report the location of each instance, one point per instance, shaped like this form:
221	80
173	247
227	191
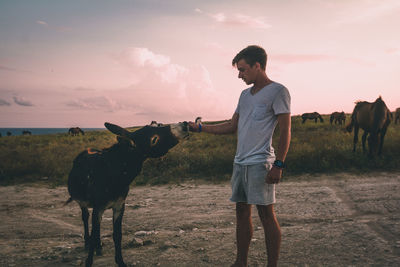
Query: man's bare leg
244	232
272	232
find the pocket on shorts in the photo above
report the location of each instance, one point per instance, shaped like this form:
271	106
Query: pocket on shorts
235	173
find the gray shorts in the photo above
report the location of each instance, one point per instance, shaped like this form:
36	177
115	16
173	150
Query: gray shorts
249	186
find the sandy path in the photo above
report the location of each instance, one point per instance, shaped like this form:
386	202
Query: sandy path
337	220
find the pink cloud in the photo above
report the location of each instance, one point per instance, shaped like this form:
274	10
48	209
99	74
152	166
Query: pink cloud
22	102
5	68
293	58
41	22
241	20
144	57
165	89
393	51
4	102
57	28
104	103
237	20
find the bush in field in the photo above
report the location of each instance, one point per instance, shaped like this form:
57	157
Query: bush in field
315	148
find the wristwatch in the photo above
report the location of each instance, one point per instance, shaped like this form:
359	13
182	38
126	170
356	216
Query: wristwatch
279	164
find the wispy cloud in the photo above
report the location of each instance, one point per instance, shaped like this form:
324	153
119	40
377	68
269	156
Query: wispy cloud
298	58
95	103
22	102
41	22
56	28
5	68
368	11
237	20
306	58
393	51
4	102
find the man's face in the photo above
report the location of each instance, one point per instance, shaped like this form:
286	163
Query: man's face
246	72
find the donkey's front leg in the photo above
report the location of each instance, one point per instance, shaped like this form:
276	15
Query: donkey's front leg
95	236
118	213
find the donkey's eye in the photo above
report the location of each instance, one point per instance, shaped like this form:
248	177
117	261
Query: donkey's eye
154	140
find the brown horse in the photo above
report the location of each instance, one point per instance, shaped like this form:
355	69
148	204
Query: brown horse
338	117
396	115
373	118
75	131
311	116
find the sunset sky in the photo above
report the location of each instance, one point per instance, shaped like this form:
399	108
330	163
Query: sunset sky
81	63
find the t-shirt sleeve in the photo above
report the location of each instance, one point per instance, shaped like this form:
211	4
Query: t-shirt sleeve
281	102
237	110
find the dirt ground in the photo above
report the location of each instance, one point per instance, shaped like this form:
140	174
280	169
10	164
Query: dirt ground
332	220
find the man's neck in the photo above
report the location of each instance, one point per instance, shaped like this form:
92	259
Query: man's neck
260	84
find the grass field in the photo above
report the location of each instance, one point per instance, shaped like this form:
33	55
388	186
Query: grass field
315	148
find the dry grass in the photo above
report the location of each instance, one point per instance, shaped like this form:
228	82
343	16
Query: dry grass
315	148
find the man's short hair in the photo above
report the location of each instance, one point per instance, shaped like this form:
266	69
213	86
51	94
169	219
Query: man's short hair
252	54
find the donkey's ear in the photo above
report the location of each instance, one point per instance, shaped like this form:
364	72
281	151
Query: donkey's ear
115	129
125	140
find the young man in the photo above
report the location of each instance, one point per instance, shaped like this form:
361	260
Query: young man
256	167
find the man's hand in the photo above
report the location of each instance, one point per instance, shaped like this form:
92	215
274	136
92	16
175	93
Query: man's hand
274	175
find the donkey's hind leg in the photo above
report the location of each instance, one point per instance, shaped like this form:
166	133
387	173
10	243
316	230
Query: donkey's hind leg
355	140
85	219
364	138
383	132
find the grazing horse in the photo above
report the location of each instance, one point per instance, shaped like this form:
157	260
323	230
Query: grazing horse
100	179
311	116
373	118
75	131
338	117
396	115
26	132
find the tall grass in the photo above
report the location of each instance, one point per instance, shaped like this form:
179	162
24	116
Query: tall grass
315	148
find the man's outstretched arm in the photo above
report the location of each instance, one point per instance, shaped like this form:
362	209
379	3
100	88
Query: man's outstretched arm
227	127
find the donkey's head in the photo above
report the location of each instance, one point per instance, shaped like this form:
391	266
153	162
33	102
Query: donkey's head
152	141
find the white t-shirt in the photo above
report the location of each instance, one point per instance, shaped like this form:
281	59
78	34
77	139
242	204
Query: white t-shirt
257	122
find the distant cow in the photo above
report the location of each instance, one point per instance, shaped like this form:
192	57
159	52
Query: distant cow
338	117
26	132
397	115
75	131
311	116
9	133
373	118
100	179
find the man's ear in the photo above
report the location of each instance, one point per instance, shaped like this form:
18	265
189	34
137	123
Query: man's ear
257	65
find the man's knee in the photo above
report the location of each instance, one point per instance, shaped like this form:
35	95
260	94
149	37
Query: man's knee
266	212
243	210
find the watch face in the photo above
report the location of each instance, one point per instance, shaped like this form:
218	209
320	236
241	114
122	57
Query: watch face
278	163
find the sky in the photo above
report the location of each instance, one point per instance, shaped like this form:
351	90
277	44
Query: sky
129	62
